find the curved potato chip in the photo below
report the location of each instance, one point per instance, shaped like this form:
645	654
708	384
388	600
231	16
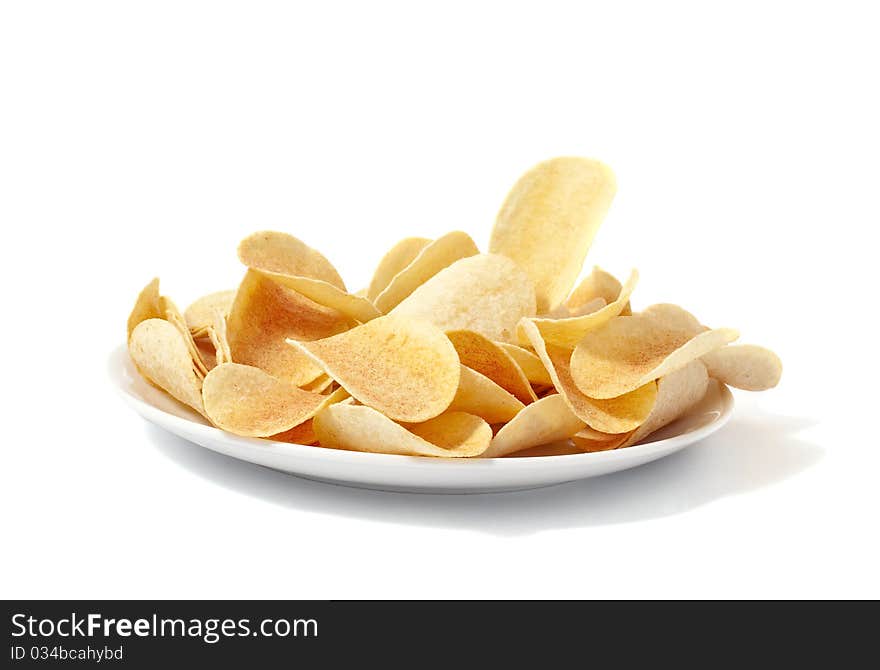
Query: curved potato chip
175	318
489	359
677	392
303	434
487	293
615	415
597	285
362	428
159	351
403	367
590	440
630	351
547	420
264	315
319	385
401	254
744	366
207	350
219	338
568	332
284	254
480	396
146	306
439	254
673	316
353	306
200	314
246	401
549	220
529	363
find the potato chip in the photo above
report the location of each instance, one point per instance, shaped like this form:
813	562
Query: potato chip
589	440
146	306
489	359
159	351
172	314
439	254
327	295
548	221
264	315
319	385
207	351
487	293
480	396
404	367
401	254
547	420
614	415
744	366
286	255
362	428
303	434
568	332
677	392
529	363
598	285
200	314
219	338
675	317
246	401
630	351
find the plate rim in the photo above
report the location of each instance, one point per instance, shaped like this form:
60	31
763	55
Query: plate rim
116	373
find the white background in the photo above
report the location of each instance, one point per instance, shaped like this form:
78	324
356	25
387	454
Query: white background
142	139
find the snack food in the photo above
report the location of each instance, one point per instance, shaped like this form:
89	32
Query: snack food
449	352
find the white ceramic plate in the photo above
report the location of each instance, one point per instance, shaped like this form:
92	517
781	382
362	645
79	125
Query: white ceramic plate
411	473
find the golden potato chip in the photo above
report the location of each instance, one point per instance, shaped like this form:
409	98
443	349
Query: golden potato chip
405	368
200	314
246	401
362	428
487	293
675	317
175	318
597	285
547	420
529	363
325	294
207	351
303	434
264	315
568	332
146	306
219	338
480	396
677	392
630	351
159	351
589	440
401	254
319	385
439	254
286	255
614	415
548	221
744	366
489	359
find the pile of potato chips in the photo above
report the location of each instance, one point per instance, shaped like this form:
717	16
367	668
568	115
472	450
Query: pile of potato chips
448	352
